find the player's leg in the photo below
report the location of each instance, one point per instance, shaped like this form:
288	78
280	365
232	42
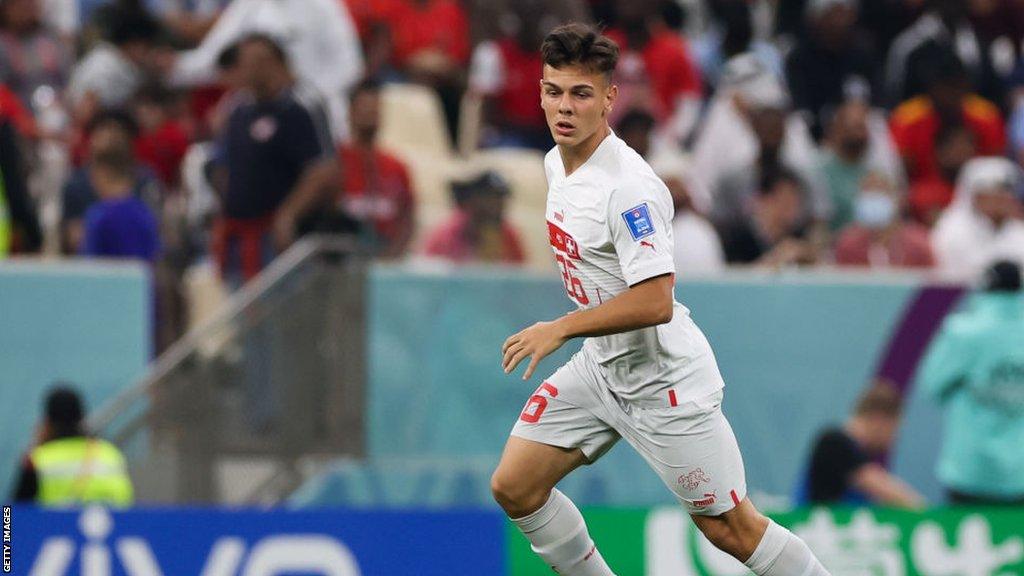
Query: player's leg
527	473
553	437
694	450
741	531
765	547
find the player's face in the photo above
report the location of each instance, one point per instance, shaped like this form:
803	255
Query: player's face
576	103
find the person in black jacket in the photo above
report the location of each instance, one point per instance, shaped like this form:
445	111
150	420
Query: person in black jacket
27	235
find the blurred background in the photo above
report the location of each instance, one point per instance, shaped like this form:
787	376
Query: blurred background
258	257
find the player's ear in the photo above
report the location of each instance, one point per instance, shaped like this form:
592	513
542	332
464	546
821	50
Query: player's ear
610	96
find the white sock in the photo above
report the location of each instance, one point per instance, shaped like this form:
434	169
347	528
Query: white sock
781	553
558	534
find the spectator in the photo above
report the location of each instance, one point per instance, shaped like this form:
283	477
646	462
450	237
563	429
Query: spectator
948	102
19	226
1015	126
975	370
504	74
493	19
427	41
772	234
31	55
110	134
830	63
189	20
944	28
955	145
878	236
697	247
119	224
110	73
731	33
68	467
163	139
984	223
749	126
477	231
375	187
857	142
318	35
655	71
843	466
280	161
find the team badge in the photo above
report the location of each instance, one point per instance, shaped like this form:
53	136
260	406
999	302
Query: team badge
638	220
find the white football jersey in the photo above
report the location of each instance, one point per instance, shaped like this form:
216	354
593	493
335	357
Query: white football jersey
610	227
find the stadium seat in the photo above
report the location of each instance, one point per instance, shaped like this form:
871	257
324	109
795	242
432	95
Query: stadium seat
412	122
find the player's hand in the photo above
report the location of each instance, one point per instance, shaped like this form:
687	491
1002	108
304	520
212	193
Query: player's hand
535	342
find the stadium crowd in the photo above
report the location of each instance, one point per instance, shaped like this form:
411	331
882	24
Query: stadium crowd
863	133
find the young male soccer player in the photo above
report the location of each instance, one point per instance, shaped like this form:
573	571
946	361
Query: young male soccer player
645	372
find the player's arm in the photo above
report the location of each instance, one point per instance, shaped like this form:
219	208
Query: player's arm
647	303
883	487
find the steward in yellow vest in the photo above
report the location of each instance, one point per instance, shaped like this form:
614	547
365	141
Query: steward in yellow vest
69	468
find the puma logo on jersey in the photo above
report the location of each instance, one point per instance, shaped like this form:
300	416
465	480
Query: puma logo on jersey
648	244
559	217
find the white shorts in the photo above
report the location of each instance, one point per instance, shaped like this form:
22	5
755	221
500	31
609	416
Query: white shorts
689	443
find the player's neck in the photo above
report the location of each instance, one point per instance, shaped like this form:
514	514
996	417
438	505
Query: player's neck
575	156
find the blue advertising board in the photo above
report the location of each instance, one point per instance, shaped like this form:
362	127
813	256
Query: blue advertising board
245	542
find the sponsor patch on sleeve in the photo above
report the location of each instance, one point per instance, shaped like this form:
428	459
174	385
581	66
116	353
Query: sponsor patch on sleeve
638	220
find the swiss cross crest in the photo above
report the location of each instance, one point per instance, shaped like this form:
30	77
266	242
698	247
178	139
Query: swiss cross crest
693	479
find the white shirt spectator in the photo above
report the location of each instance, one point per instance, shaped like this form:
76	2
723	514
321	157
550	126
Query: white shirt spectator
318	35
965	241
698	250
106	73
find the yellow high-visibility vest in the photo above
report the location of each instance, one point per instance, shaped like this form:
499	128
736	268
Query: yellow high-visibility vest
81	470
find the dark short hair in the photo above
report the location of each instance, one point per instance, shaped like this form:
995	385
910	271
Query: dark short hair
228	57
773	175
64	408
580	44
267	40
127	23
116	117
368	85
1003	276
882	399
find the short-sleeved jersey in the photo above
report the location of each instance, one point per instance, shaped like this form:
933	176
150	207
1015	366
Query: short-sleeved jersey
609	223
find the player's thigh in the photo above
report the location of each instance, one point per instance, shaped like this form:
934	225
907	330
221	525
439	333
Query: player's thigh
693	449
528	470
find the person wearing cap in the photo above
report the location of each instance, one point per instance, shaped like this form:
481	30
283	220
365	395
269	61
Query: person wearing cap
985	221
477	231
975	370
68	467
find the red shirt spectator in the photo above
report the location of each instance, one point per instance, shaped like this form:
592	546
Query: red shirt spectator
915	124
12	109
163	150
513	83
376	189
664	64
418	25
453	240
906	246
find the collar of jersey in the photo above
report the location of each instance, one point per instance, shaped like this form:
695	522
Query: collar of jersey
601	148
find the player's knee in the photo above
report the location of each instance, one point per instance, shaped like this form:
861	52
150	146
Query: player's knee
515	498
737	532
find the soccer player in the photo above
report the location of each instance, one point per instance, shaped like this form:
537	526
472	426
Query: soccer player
645	371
